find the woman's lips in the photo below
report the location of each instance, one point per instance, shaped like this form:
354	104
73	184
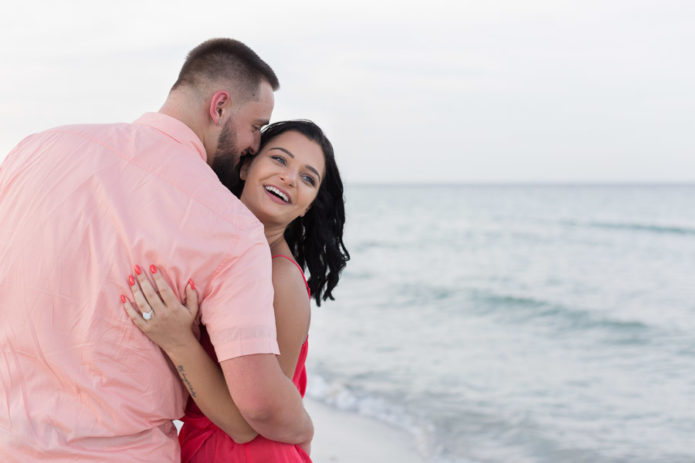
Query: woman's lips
277	194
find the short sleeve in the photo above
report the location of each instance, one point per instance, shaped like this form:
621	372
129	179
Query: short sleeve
237	309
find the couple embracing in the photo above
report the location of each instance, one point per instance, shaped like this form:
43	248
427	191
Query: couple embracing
154	270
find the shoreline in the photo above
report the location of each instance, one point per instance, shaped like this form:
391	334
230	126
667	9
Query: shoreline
341	437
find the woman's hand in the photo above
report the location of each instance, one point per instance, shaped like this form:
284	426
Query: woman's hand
160	315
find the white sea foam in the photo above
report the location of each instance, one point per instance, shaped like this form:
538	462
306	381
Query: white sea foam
339	395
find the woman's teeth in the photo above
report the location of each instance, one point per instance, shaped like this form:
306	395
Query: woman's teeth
277	193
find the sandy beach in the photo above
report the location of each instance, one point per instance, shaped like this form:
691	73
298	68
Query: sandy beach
347	437
342	437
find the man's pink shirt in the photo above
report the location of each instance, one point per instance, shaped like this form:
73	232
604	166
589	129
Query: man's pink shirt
79	207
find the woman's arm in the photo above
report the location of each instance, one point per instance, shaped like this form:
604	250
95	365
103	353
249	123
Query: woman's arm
170	327
292	312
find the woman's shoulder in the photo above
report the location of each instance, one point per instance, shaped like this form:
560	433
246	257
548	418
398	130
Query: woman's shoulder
288	275
292	304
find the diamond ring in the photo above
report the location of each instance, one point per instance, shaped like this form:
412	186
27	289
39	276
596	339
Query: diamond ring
147	315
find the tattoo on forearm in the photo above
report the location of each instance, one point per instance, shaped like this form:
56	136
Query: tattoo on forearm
182	374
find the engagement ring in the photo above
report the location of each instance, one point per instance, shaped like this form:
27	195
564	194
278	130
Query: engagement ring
147	315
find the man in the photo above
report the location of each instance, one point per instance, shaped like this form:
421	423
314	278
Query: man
80	206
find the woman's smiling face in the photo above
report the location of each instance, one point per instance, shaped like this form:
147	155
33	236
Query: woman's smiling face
283	179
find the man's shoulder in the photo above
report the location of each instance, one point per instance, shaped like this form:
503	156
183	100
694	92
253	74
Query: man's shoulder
232	212
112	130
88	128
155	162
92	137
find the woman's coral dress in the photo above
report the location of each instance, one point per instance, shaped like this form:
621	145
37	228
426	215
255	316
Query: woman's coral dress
203	442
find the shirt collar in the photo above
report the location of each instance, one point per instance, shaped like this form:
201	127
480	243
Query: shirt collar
175	129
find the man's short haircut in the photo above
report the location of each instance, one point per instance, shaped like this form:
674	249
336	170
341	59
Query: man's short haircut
230	60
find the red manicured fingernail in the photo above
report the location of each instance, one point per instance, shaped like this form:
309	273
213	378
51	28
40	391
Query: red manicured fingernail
138	270
190	282
122	298
153	269
131	280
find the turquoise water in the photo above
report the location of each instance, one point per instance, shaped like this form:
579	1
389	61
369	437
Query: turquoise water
517	323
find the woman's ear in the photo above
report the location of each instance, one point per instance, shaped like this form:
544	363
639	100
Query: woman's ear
244	171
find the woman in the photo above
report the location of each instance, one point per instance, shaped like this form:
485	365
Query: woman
294	188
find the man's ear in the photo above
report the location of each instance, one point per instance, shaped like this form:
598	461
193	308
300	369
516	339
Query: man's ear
219	103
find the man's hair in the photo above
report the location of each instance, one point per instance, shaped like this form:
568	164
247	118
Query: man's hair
228	60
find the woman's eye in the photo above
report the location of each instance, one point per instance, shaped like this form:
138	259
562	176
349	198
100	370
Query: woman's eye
279	159
310	180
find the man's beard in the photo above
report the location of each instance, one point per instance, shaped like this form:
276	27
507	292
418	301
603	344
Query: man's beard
227	158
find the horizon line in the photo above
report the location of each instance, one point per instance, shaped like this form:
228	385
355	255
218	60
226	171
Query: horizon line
540	183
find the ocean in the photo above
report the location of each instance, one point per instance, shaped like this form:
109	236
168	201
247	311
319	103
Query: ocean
517	323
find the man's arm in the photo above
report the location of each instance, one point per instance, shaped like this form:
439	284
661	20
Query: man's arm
238	312
277	409
267	399
170	328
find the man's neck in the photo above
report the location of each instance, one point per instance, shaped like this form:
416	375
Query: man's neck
181	106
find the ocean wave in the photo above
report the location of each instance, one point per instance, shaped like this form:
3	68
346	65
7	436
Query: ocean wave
478	422
527	309
421	294
338	395
367	245
357	275
638	227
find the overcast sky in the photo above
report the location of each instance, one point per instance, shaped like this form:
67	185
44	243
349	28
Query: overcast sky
458	91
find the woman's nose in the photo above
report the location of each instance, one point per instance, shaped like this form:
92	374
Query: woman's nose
289	176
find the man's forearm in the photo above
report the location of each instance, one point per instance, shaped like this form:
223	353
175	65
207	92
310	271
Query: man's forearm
267	399
284	419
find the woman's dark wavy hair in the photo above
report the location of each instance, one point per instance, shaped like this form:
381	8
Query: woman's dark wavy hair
316	240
